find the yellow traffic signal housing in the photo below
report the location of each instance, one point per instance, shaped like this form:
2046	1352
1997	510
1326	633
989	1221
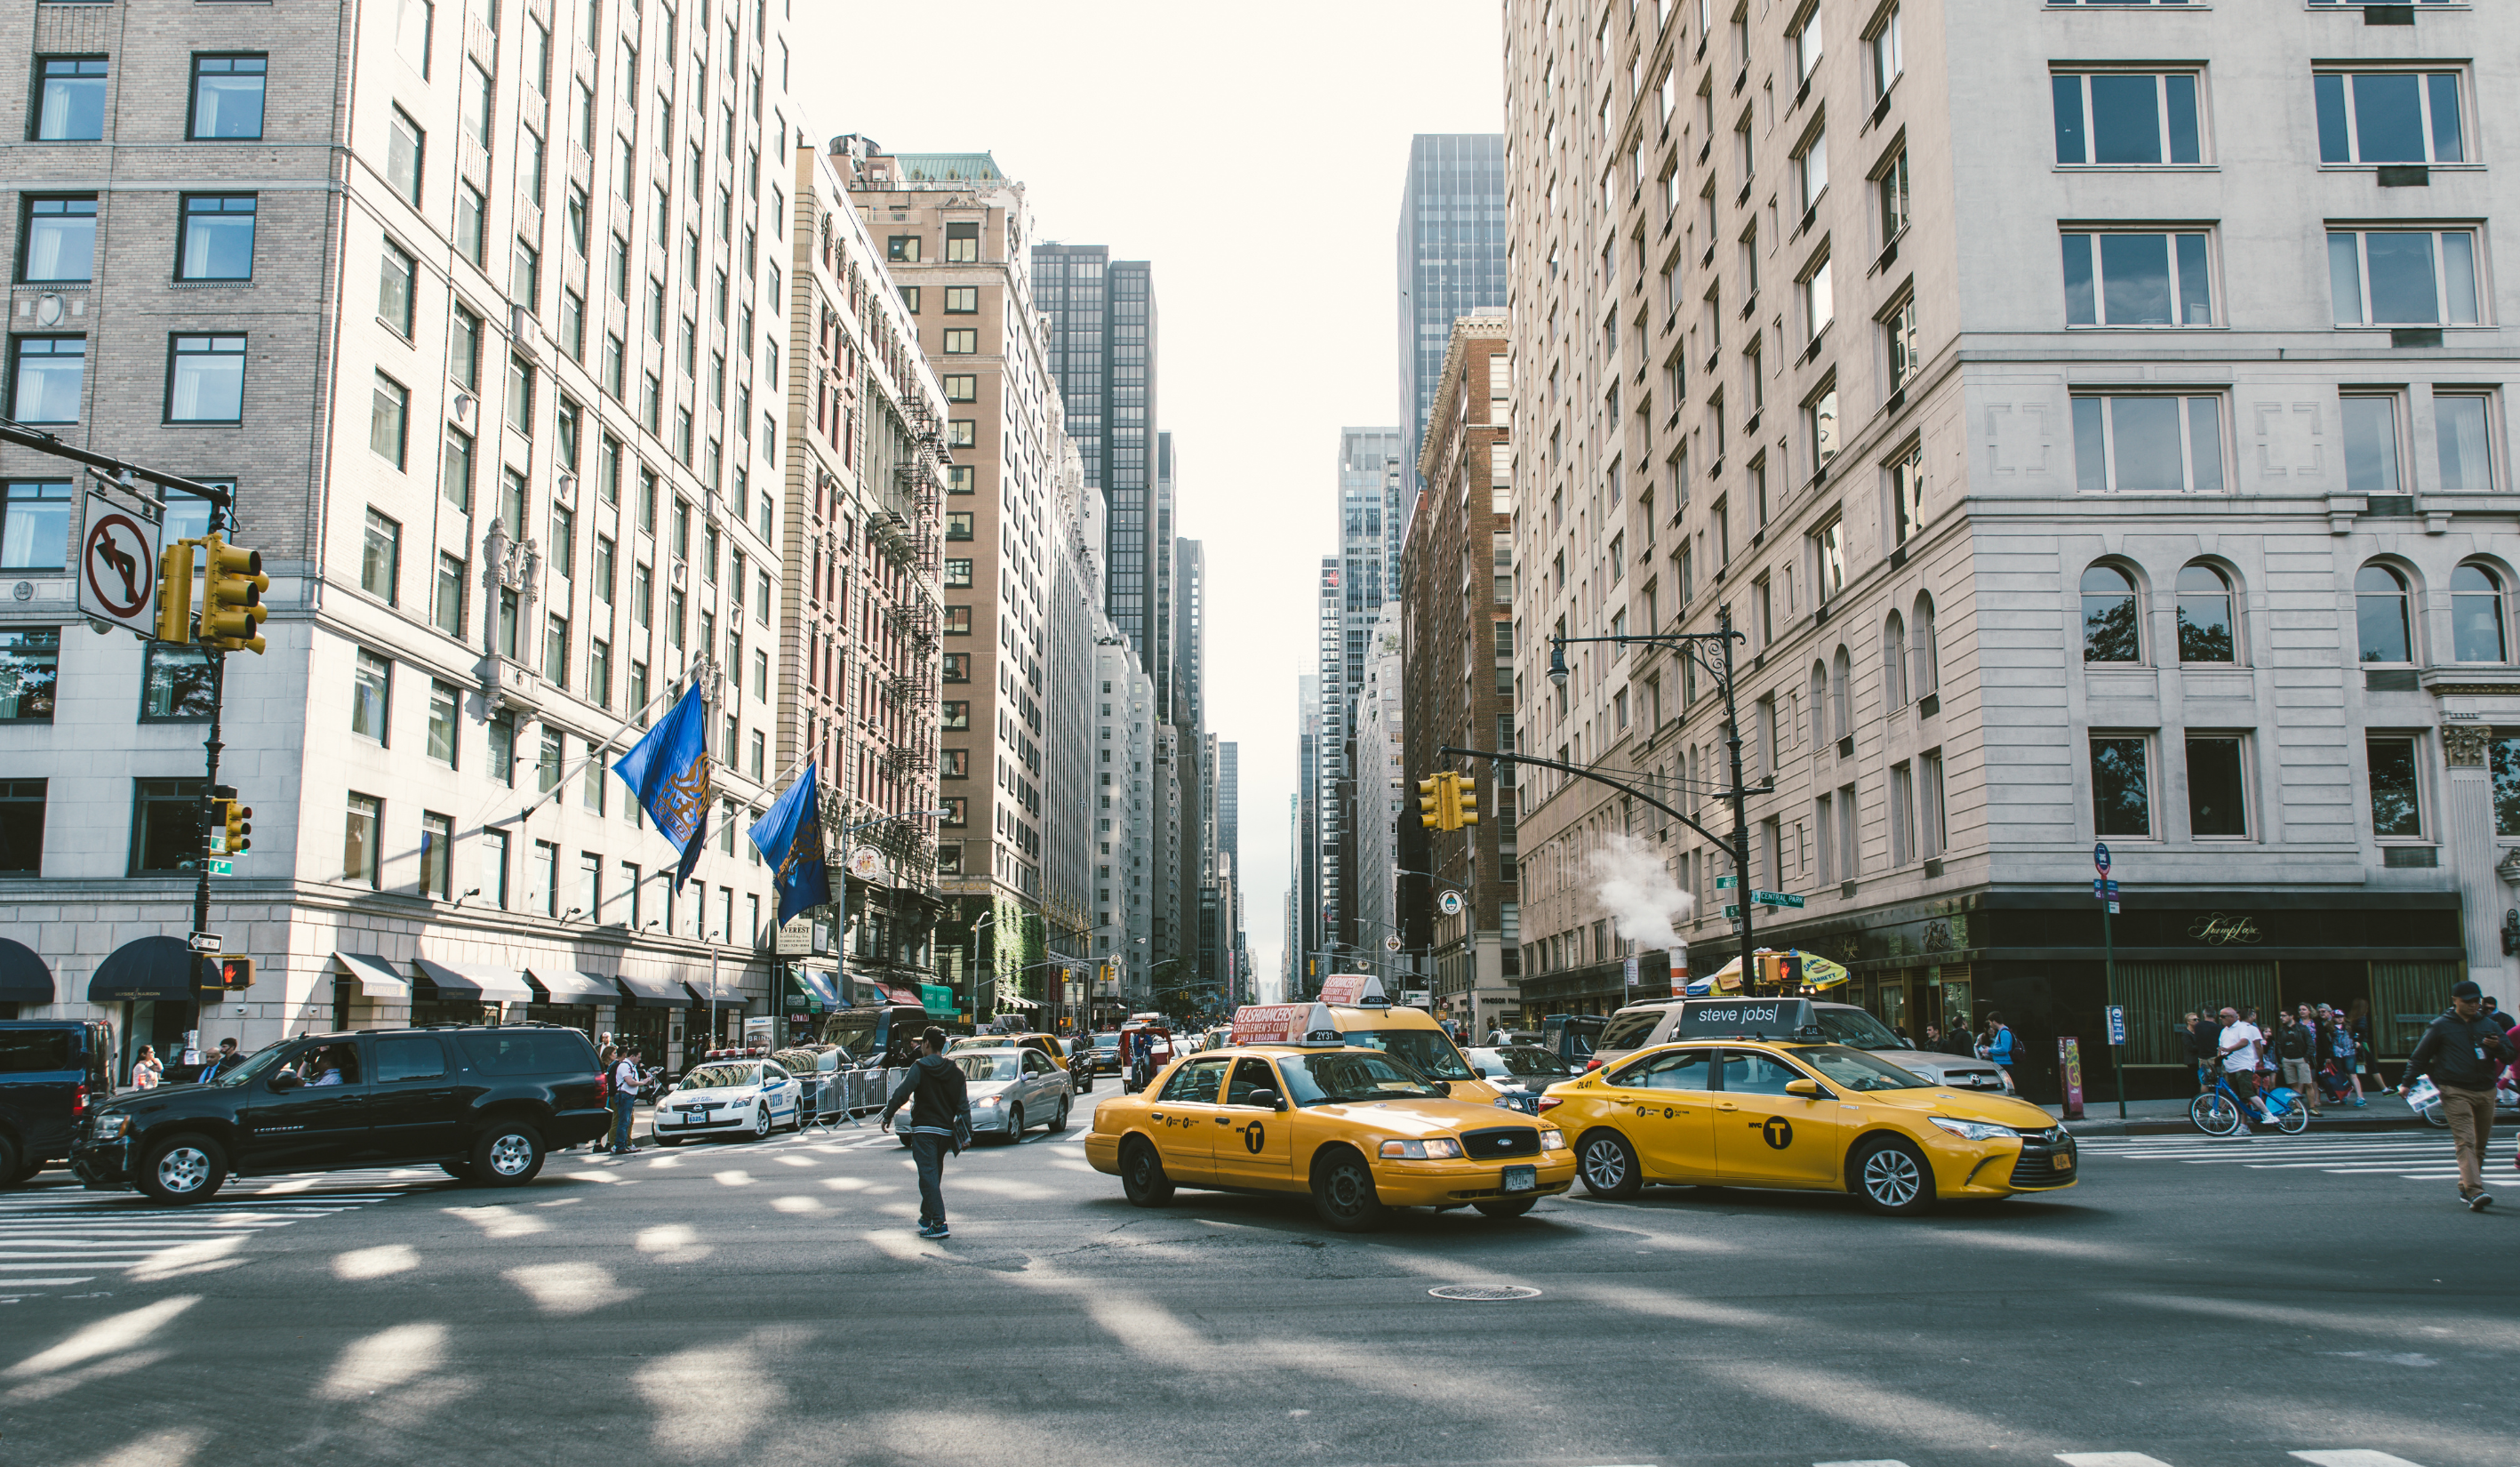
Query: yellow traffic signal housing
230	821
1466	801
175	592
232	597
1431	801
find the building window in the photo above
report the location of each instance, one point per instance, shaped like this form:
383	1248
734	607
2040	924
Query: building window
1828	559
2126	118
2111	617
2138	280
1908	493
957	525
962	299
957	573
2383	629
957	666
961	432
2216	792
1899	337
2476	615
503	749
962	340
2396	803
2507	788
521	397
962	243
174	684
29	665
456	472
958	620
901	249
215	240
2206	631
2369	424
395	289
547	762
962	386
21	827
1821	426
166	825
447	611
36	524
958	810
494	867
57	240
388	413
471	225
960	478
2121	794
48	375
405	148
70	104
2403	277
227	97
957	764
206	380
371	691
2462	423
2389	117
2148	445
956	715
362	834
444	703
380	558
556	651
436	856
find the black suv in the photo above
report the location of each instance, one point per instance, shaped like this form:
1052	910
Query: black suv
483	1102
53	1071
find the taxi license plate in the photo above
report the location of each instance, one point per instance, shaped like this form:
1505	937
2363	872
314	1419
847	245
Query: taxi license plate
2064	1161
1522	1178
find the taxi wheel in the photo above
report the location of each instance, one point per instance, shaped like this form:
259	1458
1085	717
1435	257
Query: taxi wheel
1502	1210
1891	1179
1142	1174
1609	1166
1344	1193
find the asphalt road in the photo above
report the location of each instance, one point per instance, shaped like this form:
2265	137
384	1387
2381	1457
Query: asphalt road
767	1303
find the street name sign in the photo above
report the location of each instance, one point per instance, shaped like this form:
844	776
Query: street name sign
1776	898
1724	883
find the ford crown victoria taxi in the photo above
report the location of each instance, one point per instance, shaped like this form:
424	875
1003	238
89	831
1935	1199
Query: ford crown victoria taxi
1752	1095
1354	1128
1365	1017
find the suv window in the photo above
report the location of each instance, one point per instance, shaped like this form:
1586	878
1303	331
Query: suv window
1630	1030
413	1057
527	1052
28	1051
1855	1029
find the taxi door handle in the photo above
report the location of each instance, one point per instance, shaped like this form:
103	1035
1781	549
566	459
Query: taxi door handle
1223	1121
1154	1114
1725	1105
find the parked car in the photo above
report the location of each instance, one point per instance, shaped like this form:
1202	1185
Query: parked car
1520	1071
485	1103
729	1098
1012	1089
52	1073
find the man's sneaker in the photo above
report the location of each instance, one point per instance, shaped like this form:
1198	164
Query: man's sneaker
2479	1202
935	1233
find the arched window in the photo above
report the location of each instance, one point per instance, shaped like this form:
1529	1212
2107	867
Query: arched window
2206	631
2110	620
1841	700
1818	704
2476	615
1894	663
1927	677
2380	616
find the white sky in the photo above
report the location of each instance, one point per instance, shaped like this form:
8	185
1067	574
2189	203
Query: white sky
1255	155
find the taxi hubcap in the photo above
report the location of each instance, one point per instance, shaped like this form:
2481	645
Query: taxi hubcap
1890	1176
1603	1164
509	1155
183	1170
1349	1189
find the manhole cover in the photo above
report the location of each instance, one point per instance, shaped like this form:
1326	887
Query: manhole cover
1483	1292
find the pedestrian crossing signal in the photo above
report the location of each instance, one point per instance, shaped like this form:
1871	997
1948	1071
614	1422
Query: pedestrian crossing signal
236	974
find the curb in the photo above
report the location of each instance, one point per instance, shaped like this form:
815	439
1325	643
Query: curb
2182	1126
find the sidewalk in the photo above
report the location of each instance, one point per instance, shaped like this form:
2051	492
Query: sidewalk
2168	1118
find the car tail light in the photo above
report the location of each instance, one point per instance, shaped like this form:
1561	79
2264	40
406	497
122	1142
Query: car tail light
78	1101
1549	1103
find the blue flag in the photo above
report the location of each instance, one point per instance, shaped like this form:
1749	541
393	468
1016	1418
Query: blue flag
790	837
669	772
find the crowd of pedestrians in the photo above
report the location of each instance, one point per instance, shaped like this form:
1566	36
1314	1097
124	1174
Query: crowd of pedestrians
2322	1053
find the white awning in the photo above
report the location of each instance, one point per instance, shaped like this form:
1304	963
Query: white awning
1015	1001
479	980
376	976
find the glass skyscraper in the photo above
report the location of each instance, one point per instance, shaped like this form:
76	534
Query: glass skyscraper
1452	262
1102	351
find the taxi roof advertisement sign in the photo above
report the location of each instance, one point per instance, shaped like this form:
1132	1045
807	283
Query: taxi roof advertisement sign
1278	1023
1702	1017
1350	988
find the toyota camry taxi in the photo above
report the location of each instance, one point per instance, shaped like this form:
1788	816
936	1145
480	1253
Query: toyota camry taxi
1750	1095
1288	1105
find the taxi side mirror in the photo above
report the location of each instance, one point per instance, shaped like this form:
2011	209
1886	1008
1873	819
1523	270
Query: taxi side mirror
1808	1089
1265	1099
1442	1086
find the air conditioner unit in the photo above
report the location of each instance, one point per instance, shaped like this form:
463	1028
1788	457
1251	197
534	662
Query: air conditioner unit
526	332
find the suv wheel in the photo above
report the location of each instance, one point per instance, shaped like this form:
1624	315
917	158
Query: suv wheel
12	1161
509	1154
181	1170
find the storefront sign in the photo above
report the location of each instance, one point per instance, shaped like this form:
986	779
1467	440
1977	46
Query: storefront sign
2219	930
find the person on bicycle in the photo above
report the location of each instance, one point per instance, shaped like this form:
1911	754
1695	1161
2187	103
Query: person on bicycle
2237	1046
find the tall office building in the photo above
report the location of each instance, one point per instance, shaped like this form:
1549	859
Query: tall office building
1452	262
1350	594
1305	910
1102	351
499	394
2078	462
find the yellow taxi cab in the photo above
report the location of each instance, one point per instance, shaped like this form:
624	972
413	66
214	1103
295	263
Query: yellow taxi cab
1750	1094
1365	1017
1290	1106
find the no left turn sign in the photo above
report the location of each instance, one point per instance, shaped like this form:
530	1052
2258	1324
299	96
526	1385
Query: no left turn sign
117	566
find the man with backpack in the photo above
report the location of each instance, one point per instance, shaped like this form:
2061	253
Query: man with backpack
2461	1053
2297	1051
940	1117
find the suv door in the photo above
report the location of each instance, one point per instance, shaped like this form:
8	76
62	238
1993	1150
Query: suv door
417	1109
305	1126
1182	1117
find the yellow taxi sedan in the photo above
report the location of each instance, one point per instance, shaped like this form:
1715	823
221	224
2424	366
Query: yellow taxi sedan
1767	1105
1357	1131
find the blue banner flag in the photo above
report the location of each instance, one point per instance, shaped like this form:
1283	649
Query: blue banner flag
790	837
669	772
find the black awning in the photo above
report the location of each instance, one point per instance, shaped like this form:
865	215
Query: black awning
23	978
727	998
152	969
655	993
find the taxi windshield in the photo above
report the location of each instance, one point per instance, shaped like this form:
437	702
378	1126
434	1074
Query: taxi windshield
1856	1069
1857	1029
1426	1050
1329	1078
989	1064
721	1077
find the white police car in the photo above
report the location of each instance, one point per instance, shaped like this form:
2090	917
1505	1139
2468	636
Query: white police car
729	1098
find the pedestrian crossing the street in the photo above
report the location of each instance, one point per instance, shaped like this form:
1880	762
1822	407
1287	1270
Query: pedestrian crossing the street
66	1238
2412	1155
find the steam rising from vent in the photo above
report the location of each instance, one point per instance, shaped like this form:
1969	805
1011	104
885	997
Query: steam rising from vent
1638	892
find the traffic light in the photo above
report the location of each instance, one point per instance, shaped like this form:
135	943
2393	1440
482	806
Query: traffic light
175	592
230	821
236	974
232	597
1430	804
1466	801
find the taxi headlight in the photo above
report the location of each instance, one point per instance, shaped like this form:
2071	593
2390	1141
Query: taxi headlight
1975	1130
111	1128
1553	1139
1441	1149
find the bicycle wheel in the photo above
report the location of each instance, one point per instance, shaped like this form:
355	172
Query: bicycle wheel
2294	1121
2214	1115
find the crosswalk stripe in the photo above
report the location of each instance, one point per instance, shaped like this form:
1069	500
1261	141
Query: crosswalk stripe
2350	1456
2109	1459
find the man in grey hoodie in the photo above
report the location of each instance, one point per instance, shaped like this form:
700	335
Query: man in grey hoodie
2461	1053
938	1101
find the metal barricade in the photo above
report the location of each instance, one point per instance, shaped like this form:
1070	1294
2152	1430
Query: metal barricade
825	1100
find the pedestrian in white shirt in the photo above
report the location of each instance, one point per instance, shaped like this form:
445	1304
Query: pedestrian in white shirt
625	1080
2238	1048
